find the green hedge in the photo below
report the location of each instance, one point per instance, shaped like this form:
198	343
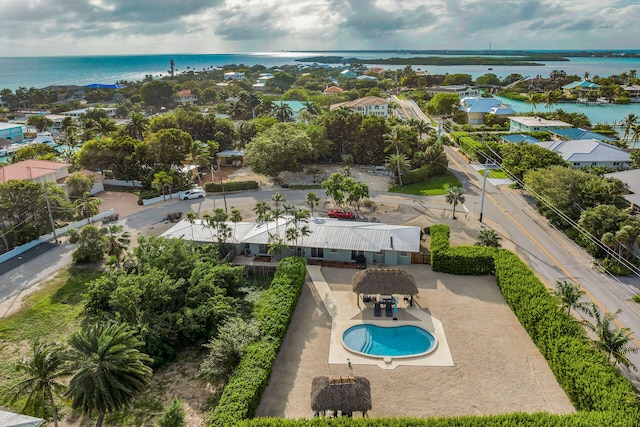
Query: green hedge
583	419
273	311
461	260
231	186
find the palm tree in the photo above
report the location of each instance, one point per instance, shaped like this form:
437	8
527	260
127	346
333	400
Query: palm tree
312	201
551	98
266	107
263	213
534	99
614	342
396	140
117	240
44	367
454	196
105	125
137	126
635	135
235	218
87	205
111	370
397	164
283	112
569	295
278	198
161	181
311	108
191	219
78	183
238	110
629	122
488	237
199	155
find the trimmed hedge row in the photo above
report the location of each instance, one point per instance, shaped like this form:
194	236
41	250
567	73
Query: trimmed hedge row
273	311
582	419
460	260
231	186
469	145
585	374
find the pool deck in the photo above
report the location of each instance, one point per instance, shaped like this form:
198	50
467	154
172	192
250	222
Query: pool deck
343	308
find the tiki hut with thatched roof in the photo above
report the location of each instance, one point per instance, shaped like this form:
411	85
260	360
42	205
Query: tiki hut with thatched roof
347	394
375	281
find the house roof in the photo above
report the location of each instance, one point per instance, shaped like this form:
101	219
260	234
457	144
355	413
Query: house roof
231	153
518	138
577	133
361	102
325	233
10	419
346	394
630	177
538	121
581	84
333	89
477	104
384	281
586	150
30	169
9	126
186	92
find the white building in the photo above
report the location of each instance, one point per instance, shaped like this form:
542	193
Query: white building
370	105
535	124
233	75
589	152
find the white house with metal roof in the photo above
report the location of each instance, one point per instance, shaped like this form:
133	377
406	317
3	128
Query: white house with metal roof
329	239
631	179
535	124
589	152
369	105
477	107
10	419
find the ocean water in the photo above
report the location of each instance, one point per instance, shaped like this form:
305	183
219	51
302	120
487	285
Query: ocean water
40	72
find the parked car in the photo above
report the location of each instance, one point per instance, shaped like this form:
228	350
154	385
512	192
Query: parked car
341	214
194	193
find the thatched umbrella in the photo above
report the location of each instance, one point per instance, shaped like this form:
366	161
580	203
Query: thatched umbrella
375	281
346	394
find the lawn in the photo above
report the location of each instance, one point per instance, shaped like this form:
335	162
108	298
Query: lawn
435	186
495	173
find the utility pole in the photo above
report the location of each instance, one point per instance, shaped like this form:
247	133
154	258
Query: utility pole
53	225
224	197
484	186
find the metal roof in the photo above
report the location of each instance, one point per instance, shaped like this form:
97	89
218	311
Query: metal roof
326	233
577	133
10	419
587	150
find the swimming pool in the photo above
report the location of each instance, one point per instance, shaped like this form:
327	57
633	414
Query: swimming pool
394	341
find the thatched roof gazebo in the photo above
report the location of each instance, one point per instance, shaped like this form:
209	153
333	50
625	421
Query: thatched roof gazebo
347	394
375	281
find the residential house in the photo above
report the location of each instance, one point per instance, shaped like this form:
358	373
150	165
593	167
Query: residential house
633	91
370	105
12	131
366	77
231	158
463	91
67	92
581	88
519	138
535	124
233	75
477	107
349	74
631	179
39	171
578	133
185	97
76	114
262	81
330	239
332	90
589	152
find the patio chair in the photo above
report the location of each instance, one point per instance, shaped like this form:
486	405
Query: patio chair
388	309
377	311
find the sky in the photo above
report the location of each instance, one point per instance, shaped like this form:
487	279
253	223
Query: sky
100	27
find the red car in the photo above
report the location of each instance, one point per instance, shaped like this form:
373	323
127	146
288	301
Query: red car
339	213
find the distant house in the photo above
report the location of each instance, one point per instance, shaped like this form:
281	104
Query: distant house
330	239
477	107
67	92
631	179
76	114
262	81
12	132
233	75
535	124
581	88
589	152
519	138
39	171
332	90
370	105
231	158
365	77
185	97
633	91
463	91
577	134
349	74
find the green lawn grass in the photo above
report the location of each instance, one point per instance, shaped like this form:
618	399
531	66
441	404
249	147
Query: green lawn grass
495	173
435	186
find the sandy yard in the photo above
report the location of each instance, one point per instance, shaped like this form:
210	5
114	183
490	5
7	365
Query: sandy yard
497	369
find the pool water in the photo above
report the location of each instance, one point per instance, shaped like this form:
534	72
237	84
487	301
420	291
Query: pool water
396	341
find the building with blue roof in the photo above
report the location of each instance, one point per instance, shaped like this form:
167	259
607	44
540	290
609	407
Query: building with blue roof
581	87
477	107
578	134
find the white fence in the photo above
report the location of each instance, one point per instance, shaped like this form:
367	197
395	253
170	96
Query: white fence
59	232
146	202
121	183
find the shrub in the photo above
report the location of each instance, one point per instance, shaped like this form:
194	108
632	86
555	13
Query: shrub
417	175
173	415
231	186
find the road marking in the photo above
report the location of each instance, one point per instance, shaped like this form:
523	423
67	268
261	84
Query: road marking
551	257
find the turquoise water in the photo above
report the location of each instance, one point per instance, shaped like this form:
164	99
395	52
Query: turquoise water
604	113
393	341
40	72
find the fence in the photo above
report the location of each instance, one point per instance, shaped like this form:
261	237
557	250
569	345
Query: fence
122	183
59	232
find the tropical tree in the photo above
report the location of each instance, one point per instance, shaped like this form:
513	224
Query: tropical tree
137	126
635	133
79	183
488	237
615	343
235	217
117	241
534	98
397	140
87	205
90	244
199	155
191	219
397	162
283	112
44	369
278	198
333	188
629	123
570	295
161	182
454	197
110	370
312	200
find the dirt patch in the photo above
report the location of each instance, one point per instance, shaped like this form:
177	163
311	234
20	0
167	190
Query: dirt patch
124	204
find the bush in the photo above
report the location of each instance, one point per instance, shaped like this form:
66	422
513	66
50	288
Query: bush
231	186
417	175
615	267
173	415
462	260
